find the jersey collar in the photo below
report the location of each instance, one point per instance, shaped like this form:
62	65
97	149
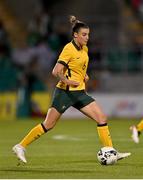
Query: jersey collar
76	46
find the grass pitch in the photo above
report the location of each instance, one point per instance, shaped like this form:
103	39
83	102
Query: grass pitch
69	151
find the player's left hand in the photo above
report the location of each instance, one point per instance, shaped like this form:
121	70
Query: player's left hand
86	78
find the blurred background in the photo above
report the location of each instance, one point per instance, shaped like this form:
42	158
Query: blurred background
33	33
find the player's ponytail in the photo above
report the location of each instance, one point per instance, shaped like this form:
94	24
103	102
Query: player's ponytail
73	20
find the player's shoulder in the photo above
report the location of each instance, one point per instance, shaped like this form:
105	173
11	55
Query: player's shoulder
68	45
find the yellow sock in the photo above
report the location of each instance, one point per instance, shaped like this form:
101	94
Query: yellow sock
140	126
104	135
34	134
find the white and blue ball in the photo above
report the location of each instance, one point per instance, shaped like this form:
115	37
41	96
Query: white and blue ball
107	156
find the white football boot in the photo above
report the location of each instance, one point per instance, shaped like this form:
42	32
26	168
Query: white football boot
135	136
122	155
20	152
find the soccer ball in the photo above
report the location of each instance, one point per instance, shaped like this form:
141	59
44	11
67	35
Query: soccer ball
107	156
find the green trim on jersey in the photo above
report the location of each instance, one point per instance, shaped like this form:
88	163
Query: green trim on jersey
66	65
76	46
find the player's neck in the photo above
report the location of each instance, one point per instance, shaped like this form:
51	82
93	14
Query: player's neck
77	43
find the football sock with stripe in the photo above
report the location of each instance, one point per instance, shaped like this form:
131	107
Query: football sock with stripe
140	127
104	135
34	134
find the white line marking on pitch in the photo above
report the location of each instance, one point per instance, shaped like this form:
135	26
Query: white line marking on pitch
66	137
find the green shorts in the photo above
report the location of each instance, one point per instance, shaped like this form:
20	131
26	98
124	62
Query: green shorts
63	99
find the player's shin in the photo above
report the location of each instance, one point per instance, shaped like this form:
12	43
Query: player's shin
34	134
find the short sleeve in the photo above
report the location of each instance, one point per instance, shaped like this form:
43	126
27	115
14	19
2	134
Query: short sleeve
65	55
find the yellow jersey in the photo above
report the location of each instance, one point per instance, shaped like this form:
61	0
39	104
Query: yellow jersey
75	60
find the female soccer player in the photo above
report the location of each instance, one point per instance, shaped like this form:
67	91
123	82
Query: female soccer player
136	131
71	69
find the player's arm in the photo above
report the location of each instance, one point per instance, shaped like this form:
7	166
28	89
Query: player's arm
58	73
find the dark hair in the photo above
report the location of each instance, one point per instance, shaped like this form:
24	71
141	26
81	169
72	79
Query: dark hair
76	24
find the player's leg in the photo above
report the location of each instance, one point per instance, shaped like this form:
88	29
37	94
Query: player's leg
93	111
136	131
50	121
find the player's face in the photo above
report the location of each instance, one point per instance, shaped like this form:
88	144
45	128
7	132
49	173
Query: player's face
82	36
